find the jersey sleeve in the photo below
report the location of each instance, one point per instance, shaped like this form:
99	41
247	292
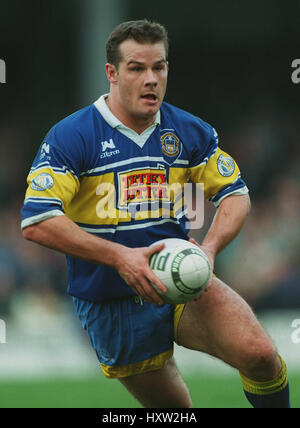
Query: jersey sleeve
216	170
53	180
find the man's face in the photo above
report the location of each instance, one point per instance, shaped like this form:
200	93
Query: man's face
141	78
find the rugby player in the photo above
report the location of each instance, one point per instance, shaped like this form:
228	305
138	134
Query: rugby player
98	191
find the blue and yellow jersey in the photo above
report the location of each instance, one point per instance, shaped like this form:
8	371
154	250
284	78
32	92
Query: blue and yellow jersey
122	186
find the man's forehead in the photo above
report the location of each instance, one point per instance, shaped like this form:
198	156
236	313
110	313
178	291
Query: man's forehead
132	51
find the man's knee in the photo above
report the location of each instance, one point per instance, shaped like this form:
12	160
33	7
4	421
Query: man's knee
259	360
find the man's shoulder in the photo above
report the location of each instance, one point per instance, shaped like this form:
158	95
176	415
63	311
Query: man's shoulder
77	129
79	120
184	118
74	133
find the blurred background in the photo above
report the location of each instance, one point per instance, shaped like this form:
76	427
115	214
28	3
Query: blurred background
230	64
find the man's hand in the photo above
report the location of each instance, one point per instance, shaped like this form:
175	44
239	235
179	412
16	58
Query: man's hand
133	267
210	255
211	258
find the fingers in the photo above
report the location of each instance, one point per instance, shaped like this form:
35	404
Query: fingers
148	293
151	276
154	249
136	271
211	262
157	282
209	255
147	281
192	240
141	282
144	288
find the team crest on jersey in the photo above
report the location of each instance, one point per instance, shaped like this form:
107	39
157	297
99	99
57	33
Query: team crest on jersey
171	146
42	182
225	165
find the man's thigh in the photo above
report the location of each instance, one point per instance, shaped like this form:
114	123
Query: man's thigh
222	324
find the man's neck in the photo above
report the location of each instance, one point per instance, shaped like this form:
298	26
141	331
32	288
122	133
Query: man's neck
137	124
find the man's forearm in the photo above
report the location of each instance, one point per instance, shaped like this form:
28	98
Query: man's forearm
227	223
132	264
62	234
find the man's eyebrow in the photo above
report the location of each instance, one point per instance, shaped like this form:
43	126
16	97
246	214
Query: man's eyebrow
134	62
142	63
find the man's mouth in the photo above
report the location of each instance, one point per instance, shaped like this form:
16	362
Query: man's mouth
150	97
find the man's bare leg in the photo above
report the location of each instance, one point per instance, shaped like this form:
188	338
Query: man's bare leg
163	388
220	323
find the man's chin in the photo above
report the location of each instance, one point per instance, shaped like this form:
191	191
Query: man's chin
150	111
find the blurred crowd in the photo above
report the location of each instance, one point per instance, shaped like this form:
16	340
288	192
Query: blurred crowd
262	263
28	272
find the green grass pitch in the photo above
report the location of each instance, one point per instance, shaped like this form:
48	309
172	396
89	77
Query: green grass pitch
206	391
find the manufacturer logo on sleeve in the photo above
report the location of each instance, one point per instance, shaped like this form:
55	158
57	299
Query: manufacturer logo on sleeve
45	151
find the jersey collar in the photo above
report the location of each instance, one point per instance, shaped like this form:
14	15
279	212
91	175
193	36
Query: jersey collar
114	122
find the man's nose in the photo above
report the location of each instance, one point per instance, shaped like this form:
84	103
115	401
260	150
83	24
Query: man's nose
150	78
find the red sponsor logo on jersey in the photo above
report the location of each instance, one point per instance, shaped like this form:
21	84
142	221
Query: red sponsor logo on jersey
146	185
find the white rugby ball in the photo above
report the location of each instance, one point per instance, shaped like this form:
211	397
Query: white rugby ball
184	269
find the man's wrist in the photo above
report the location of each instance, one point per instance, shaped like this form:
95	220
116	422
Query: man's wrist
117	256
212	249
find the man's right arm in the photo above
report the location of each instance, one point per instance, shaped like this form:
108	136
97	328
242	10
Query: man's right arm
62	234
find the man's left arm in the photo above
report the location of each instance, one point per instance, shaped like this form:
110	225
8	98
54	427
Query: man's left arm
223	186
228	221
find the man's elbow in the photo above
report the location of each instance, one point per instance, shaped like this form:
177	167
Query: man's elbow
30	233
248	204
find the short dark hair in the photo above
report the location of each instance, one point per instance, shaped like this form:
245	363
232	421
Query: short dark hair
142	31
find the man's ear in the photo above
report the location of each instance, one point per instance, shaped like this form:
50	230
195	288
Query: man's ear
111	73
